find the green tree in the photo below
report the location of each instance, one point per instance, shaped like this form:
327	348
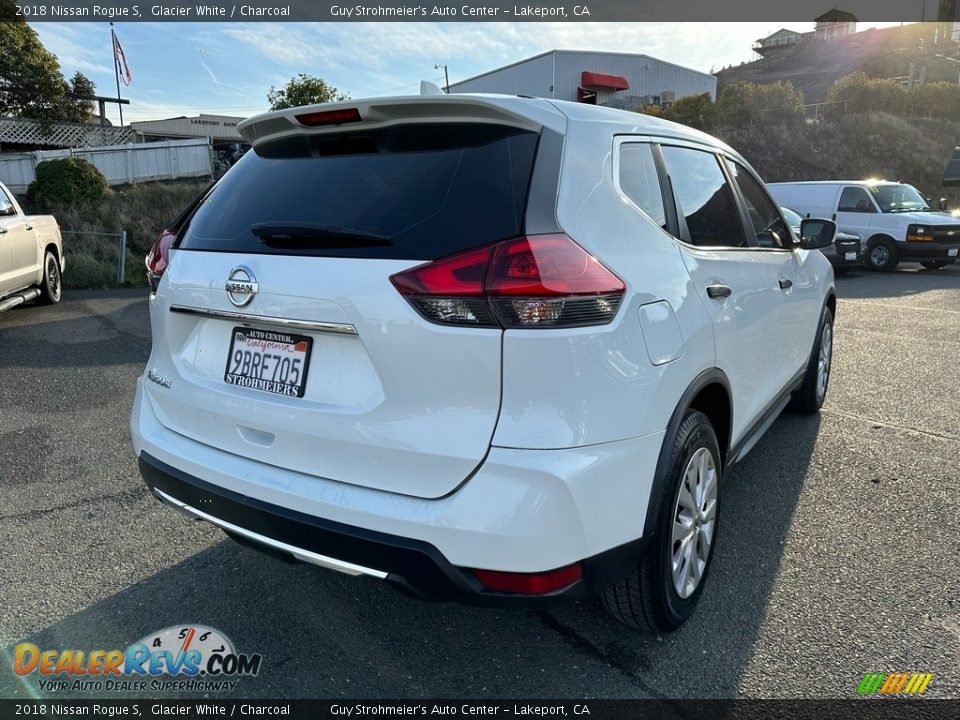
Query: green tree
939	100
303	90
697	111
79	86
746	104
31	82
857	92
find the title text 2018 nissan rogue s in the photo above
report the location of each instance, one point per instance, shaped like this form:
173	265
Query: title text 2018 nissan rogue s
489	348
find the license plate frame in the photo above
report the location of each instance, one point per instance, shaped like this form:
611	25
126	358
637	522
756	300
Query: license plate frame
850	256
276	345
952	252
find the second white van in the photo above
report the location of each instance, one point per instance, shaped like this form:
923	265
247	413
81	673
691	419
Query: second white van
894	220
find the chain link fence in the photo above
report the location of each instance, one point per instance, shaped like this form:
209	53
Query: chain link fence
100	260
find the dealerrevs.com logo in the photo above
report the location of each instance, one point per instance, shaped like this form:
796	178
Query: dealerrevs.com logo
188	658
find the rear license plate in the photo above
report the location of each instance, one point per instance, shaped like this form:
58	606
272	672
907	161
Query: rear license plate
952	252
850	256
273	362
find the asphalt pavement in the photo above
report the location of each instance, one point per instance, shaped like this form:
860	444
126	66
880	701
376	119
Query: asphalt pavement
837	556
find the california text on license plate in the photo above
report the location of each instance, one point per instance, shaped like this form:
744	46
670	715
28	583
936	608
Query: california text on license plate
273	362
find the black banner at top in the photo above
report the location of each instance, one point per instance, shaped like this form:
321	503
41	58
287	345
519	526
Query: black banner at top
485	11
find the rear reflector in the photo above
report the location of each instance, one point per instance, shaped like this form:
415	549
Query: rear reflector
329	117
528	282
530	583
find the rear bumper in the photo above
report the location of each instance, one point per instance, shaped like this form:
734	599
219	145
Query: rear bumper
522	511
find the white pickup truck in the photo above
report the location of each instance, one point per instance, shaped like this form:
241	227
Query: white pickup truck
31	255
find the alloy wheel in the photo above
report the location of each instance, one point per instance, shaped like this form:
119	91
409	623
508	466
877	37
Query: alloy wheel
824	360
694	522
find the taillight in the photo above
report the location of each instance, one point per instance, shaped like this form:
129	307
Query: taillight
159	255
529	282
530	583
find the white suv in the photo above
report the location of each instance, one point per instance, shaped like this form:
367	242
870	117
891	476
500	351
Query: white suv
490	348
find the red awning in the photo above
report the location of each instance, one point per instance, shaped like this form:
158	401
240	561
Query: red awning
599	80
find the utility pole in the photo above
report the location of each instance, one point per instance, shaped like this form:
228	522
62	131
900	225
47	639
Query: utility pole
446	76
116	68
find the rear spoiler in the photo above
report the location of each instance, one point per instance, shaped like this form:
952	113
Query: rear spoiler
527	114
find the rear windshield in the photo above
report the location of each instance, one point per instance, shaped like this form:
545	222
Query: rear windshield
418	192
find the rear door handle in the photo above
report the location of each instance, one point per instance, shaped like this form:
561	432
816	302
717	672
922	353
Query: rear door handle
29	227
4	231
718	291
786	283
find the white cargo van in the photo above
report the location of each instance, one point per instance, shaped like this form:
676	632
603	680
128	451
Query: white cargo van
893	220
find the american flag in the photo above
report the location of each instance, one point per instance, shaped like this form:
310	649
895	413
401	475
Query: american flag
125	73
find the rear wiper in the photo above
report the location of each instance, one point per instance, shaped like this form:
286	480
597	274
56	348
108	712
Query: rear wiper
282	234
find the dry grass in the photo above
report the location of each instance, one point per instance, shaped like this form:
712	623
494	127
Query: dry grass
142	210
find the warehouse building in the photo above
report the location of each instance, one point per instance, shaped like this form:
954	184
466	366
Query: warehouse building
220	129
621	80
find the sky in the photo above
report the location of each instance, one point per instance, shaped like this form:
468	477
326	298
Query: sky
227	68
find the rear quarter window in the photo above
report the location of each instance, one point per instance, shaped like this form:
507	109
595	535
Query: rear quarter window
430	190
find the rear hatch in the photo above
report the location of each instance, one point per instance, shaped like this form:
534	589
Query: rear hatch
285	339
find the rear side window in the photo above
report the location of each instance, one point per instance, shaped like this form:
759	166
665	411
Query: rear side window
768	225
707	211
414	192
639	180
855	199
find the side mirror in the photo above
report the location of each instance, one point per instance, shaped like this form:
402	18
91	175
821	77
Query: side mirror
816	234
942	205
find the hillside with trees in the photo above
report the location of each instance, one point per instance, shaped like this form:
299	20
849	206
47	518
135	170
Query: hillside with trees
877	128
812	66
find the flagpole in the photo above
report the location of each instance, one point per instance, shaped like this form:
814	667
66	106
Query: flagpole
116	69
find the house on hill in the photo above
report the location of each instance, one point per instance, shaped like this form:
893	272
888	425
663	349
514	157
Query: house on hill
835	23
780	39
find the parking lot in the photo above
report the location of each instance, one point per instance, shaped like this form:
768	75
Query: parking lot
839	550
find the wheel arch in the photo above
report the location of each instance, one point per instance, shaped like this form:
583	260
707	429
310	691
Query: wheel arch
877	237
831	304
52	248
710	394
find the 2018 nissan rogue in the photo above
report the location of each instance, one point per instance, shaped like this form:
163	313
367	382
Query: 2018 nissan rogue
487	348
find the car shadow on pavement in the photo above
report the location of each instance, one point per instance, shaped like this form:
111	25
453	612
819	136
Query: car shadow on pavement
907	280
323	634
83	333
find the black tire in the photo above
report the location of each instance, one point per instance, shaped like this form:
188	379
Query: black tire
935	264
881	255
51	287
809	398
647	599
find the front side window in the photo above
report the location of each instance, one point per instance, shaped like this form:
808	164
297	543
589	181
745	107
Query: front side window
640	182
706	208
855	199
768	224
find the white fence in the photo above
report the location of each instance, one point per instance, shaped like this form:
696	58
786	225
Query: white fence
120	164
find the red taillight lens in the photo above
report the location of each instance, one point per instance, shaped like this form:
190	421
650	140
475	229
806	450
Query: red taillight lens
530	583
329	117
534	281
159	255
